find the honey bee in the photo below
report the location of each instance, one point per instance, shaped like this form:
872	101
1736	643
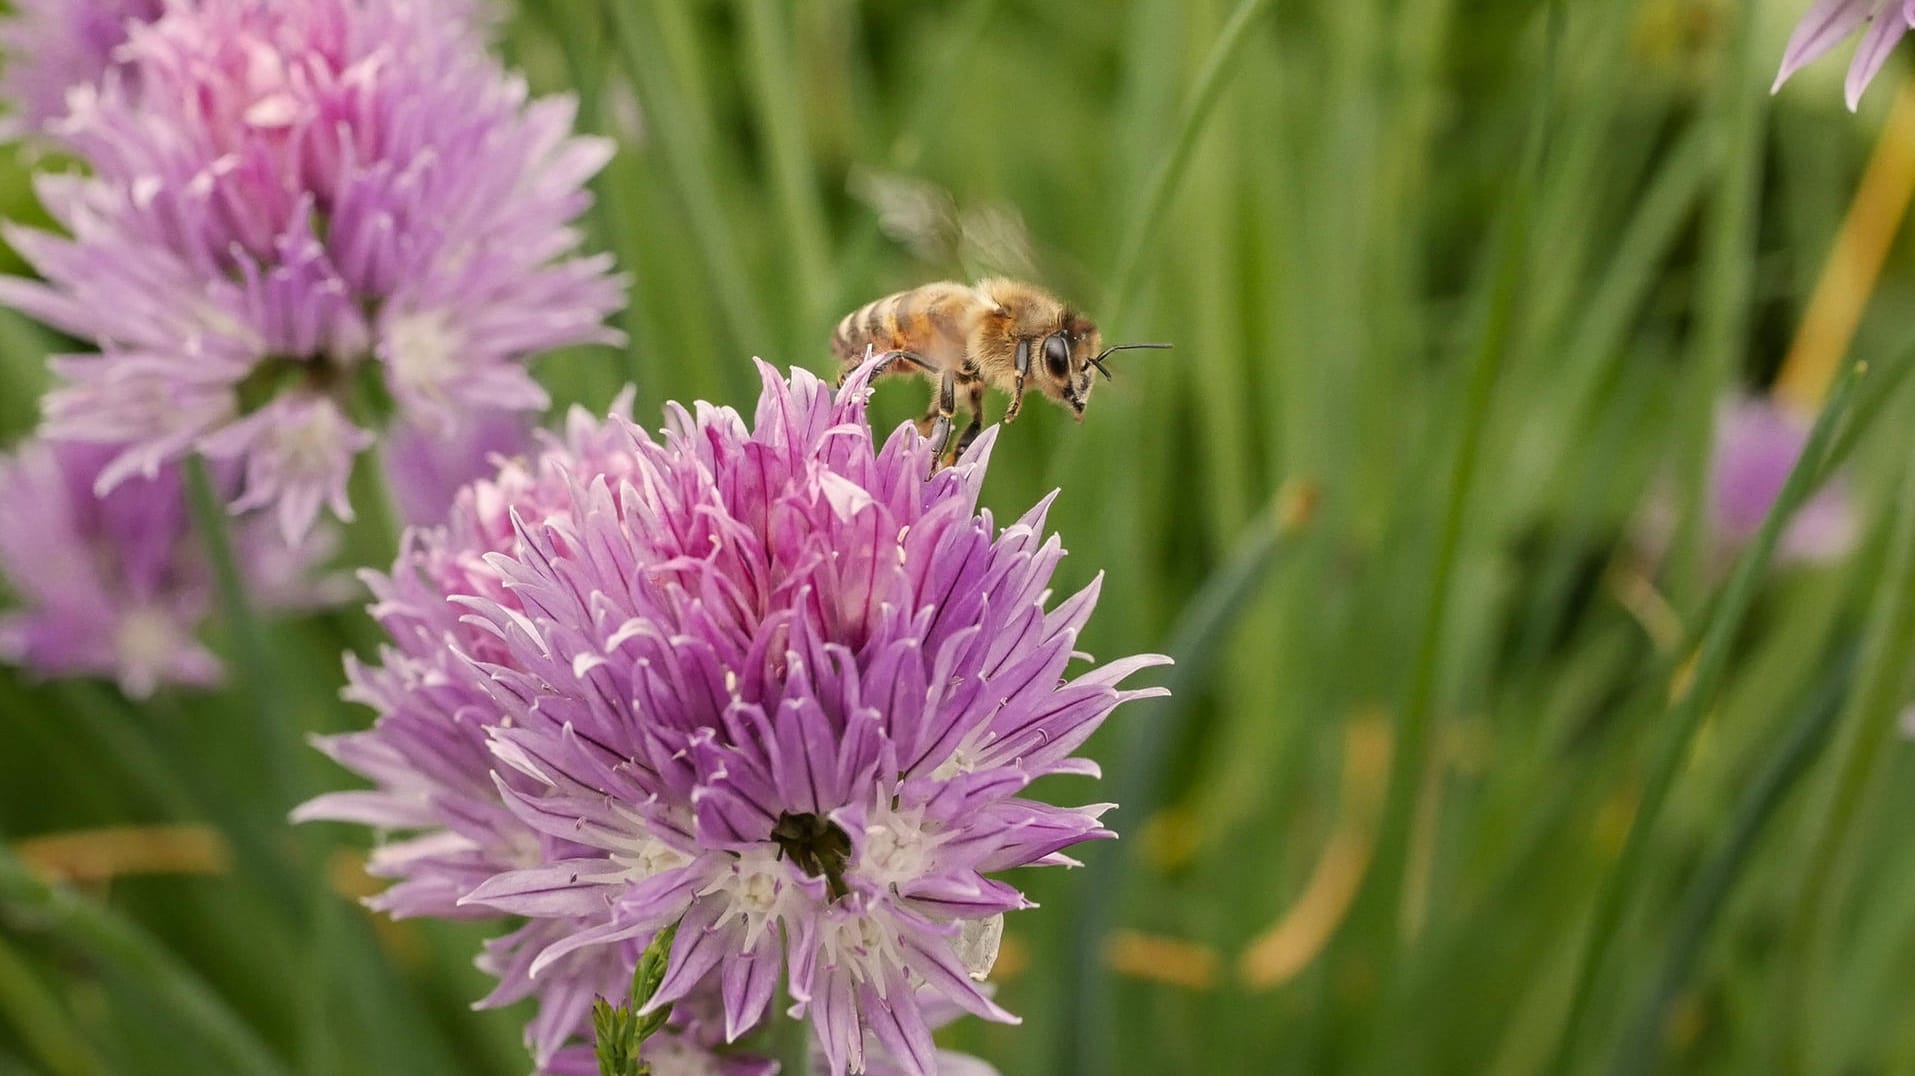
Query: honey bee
964	338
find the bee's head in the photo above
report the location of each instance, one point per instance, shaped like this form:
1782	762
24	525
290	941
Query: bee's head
1072	357
1070	360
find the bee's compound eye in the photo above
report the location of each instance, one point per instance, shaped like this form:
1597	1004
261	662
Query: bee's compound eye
1057	355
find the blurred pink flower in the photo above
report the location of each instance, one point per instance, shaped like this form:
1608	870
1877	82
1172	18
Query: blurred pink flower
1756	445
294	210
48	47
426	468
117	585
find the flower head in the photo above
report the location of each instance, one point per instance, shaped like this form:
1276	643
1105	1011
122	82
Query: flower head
1832	21
770	682
51	46
301	217
116	585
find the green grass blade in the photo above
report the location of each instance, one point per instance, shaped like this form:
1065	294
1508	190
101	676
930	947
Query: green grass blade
26	903
1727	287
1148	214
1798	750
1870	735
774	82
1686	716
1148	732
40	1020
1380	908
684	143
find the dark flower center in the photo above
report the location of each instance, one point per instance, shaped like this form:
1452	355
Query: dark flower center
358	387
817	846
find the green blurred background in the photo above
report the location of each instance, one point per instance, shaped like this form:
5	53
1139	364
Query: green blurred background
1455	290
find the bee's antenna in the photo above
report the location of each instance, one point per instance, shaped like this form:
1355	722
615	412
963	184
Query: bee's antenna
1105	354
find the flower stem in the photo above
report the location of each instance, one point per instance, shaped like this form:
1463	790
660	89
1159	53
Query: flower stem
580	33
125	734
619	1032
379	527
791	1043
1855	261
1869	403
252	660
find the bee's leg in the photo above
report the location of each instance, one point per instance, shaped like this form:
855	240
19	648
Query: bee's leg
927	421
888	359
941	429
976	391
1019	370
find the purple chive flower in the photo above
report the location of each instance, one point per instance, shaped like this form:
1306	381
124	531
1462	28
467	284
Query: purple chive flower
294	207
47	47
772	682
788	690
117	586
1832	21
1756	445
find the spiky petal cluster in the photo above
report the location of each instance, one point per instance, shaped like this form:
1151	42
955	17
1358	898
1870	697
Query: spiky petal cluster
297	213
879	1061
116	586
771	681
1831	22
48	47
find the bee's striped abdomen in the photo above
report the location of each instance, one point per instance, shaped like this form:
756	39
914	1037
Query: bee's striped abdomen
860	329
928	321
